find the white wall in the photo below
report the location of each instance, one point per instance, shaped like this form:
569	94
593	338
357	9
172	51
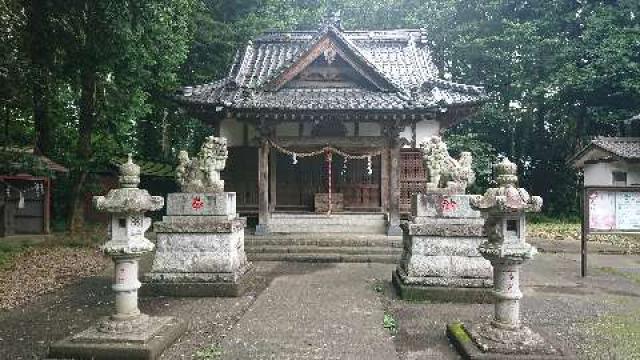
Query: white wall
600	174
426	129
369	129
233	130
287	129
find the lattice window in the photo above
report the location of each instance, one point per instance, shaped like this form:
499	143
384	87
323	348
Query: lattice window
413	177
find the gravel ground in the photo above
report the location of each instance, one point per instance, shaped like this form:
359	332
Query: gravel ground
577	314
42	270
27	331
597	317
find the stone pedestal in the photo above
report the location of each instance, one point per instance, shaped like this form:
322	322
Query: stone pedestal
440	259
200	248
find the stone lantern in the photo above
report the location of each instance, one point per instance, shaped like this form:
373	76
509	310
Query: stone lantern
504	210
127	332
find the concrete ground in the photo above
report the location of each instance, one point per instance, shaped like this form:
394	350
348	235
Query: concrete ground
336	311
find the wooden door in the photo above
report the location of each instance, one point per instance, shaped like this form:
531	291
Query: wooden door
297	184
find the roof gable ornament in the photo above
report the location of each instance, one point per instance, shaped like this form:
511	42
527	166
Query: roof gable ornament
330	55
334	19
330	42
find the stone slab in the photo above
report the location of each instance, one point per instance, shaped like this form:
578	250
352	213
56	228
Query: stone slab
442	246
199	253
194	218
202	224
191	288
447	266
314	311
443	281
201	204
440	205
468	350
440	294
444	229
445	221
145	345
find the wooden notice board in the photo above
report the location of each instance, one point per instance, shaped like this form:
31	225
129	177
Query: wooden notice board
609	210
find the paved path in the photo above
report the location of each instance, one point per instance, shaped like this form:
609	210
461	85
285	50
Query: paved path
329	312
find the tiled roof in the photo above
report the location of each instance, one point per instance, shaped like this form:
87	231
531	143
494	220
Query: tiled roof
399	57
624	147
40	160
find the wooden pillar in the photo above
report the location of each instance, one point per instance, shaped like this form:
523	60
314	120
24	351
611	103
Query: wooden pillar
263	188
384	179
272	181
394	188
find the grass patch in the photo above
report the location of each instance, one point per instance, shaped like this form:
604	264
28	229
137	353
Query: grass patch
620	336
211	352
389	323
9	250
635	277
554	230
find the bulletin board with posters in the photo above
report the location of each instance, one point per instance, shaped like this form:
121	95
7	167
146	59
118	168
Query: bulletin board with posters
613	210
609	210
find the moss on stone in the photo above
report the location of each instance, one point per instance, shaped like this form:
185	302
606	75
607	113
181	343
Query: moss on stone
457	330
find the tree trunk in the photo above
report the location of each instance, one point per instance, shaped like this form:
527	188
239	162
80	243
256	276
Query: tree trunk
88	79
40	75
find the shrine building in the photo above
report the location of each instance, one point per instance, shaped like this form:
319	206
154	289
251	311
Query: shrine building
330	114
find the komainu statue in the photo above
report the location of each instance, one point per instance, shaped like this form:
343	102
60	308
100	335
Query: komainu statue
202	174
446	172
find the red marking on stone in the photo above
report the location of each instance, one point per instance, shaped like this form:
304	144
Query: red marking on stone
196	203
448	205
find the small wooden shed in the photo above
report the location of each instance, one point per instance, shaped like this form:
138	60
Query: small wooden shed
610	161
25	192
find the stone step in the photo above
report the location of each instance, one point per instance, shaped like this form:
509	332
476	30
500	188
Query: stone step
310	227
325	258
338	241
345	216
327	221
343	250
370	223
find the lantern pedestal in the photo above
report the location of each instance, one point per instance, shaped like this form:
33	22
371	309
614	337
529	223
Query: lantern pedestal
148	337
505	337
127	334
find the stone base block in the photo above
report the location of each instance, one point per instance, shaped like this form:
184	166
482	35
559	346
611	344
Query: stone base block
201	204
199	253
535	347
262	229
447	266
394	230
177	285
444	246
475	229
478	294
442	206
146	343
